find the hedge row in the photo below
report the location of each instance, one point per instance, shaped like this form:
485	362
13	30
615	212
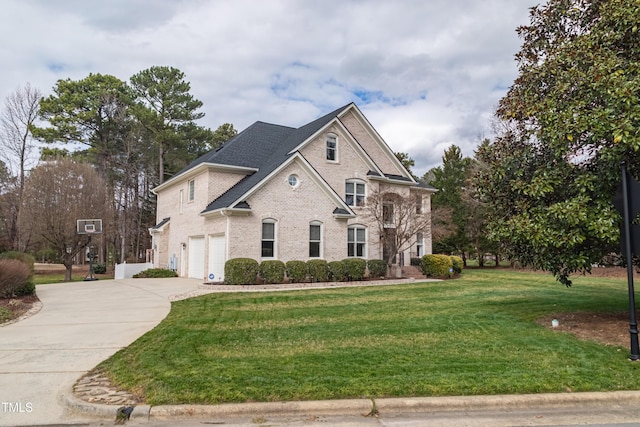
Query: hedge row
247	271
441	266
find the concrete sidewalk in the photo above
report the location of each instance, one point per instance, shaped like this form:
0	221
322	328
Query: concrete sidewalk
80	325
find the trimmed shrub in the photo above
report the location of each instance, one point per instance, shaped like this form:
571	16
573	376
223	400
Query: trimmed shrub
355	268
337	271
272	271
416	262
458	264
377	268
437	266
15	279
154	273
241	271
100	268
318	270
297	271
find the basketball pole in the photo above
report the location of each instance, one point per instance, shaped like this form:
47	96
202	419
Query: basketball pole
90	277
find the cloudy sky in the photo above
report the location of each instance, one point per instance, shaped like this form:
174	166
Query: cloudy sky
426	73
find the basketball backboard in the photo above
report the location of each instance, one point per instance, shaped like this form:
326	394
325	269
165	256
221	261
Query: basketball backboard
89	226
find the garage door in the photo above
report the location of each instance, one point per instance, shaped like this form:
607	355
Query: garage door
216	259
196	257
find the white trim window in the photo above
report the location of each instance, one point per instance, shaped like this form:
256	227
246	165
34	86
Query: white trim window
192	190
268	239
356	241
315	239
332	147
419	245
355	192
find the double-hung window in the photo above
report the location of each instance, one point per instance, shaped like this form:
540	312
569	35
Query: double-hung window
356	241
315	240
332	148
192	190
268	239
354	193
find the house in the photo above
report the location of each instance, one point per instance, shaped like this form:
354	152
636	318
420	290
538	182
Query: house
276	192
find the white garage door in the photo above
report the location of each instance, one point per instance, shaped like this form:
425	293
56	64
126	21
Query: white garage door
216	259
196	257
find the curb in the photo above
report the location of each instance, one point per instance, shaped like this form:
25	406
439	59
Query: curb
79	407
356	407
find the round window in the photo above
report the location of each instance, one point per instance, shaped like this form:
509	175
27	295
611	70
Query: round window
293	180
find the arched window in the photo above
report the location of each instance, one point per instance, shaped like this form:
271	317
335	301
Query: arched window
315	239
356	241
268	242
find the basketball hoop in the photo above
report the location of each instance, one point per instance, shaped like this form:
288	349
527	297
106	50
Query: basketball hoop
90	227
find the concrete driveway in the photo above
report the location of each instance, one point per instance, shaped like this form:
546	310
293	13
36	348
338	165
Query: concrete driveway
80	325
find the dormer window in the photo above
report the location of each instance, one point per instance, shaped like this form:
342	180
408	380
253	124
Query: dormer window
332	148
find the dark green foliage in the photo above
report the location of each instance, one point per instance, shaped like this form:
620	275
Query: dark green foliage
355	268
416	262
154	273
100	268
377	268
439	266
337	271
297	271
15	278
457	264
241	271
571	118
318	270
272	271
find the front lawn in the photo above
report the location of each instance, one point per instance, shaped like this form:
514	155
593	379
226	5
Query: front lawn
473	335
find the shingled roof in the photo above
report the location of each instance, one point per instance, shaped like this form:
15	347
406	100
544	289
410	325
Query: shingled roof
262	146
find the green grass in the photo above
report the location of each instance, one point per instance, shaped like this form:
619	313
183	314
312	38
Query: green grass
50	278
473	335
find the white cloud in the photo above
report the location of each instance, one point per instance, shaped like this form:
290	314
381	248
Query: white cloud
426	74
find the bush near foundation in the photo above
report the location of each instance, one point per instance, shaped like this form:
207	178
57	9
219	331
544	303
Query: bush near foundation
241	271
15	279
318	270
458	264
439	266
272	271
337	271
153	273
297	271
355	268
377	268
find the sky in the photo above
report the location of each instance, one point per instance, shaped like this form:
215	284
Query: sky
426	73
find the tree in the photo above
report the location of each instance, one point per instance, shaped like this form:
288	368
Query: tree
451	181
57	194
168	111
21	109
399	218
407	162
572	117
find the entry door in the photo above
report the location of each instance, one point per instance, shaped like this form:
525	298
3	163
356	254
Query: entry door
216	258
196	257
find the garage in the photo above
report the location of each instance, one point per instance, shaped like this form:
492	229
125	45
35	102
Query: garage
217	258
196	258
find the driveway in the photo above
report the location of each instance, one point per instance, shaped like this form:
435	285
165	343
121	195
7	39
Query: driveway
80	325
